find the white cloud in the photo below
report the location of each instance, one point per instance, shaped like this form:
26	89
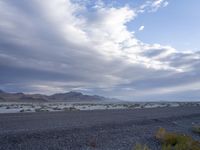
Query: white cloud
165	4
60	45
152	5
141	28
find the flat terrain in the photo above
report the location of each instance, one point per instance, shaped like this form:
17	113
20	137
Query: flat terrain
97	129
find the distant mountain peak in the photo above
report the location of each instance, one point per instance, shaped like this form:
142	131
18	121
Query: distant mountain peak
74	93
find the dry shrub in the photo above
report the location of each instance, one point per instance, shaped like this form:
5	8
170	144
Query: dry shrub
174	141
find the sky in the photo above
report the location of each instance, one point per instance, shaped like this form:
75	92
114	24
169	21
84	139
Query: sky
135	50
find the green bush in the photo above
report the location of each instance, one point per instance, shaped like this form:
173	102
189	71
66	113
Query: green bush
174	141
166	147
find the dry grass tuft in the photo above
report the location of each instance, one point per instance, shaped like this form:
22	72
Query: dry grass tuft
141	147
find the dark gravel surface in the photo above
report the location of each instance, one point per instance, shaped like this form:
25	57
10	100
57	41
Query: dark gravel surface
97	129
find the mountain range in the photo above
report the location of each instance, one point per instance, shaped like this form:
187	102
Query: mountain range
58	97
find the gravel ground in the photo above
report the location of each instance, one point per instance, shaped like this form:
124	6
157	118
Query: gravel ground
97	129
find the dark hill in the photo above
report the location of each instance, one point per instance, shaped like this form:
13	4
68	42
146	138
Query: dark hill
58	97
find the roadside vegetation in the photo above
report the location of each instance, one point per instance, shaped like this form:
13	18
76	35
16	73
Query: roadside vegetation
174	141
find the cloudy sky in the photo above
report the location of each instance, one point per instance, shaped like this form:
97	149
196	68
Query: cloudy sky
127	49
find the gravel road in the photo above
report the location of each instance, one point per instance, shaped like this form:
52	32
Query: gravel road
97	129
